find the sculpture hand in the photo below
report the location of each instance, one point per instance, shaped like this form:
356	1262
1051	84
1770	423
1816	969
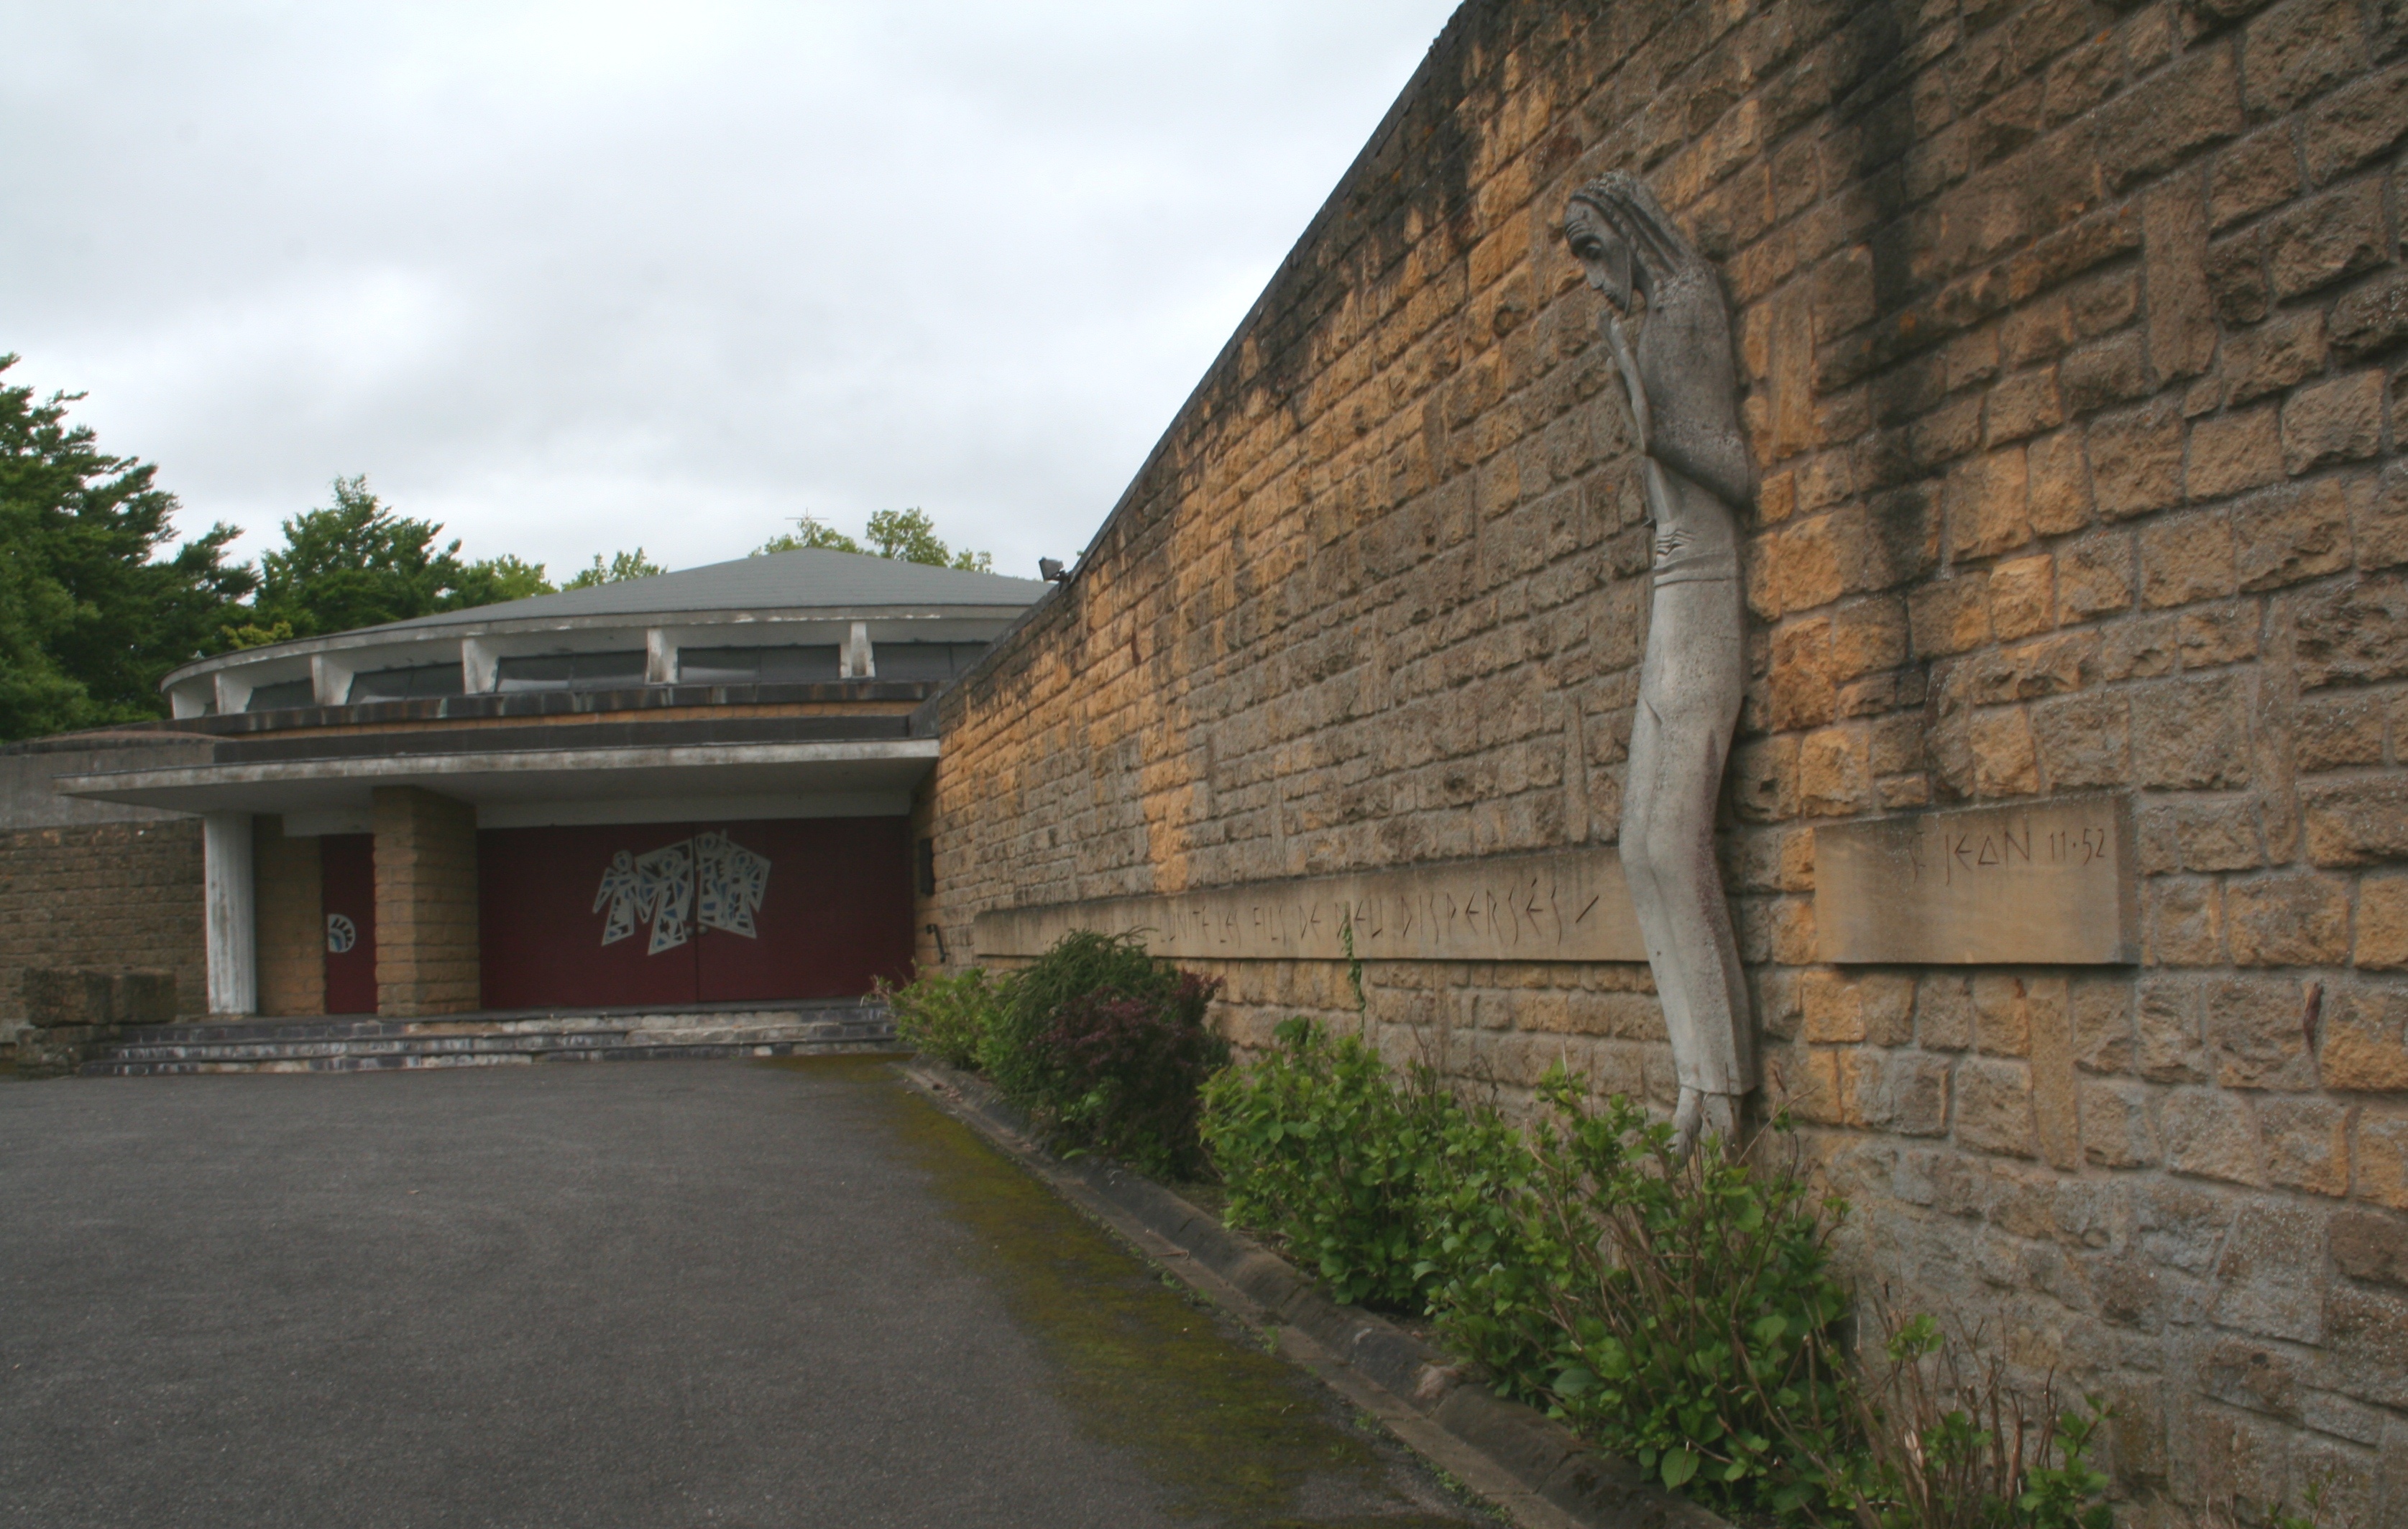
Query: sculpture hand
1630	364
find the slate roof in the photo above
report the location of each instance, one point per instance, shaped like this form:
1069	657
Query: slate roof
780	580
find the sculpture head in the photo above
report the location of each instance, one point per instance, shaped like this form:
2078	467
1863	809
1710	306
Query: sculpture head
1621	233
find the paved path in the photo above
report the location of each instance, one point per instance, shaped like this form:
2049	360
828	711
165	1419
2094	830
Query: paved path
656	1295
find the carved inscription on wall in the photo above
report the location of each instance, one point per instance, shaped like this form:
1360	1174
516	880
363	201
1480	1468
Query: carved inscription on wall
2042	885
1566	905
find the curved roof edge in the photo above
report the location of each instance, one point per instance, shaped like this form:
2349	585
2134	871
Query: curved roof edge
815	584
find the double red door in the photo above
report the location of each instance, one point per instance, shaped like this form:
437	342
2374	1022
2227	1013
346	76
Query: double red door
682	913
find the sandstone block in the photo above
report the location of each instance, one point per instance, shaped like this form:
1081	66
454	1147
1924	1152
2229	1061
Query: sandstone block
2339	421
2186	558
2195	102
2300	920
2363	1048
2382	924
2136	460
2372	317
1988	511
2020	596
2296	50
2102	1024
2379	515
1834	773
2211	1134
2355	822
2219	837
1951	616
2336	732
2231	453
2236	278
2259	172
1994	1108
2005	761
2258	1034
2083	740
2307	1144
2379	1151
2356	125
2268	357
2288	533
2191	734
2327	237
2057	483
2369	1246
2117	1131
2355	635
1944	1013
2270	1279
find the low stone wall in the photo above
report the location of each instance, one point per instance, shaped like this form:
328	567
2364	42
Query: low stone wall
104	895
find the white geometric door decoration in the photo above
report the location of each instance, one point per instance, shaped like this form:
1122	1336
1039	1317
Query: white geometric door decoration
658	888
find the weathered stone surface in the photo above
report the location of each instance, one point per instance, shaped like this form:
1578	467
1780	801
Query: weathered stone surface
2047	884
1569	906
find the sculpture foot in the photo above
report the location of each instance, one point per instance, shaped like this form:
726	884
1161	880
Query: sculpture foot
1699	1112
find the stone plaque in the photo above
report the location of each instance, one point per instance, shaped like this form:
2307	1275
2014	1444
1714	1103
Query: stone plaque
1569	904
2049	885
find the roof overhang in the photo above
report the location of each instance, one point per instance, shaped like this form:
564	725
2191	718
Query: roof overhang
861	769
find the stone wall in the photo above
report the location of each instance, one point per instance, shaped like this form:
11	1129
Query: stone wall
2071	336
426	903
112	896
289	908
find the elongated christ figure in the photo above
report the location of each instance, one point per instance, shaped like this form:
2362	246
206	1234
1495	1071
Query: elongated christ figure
1685	398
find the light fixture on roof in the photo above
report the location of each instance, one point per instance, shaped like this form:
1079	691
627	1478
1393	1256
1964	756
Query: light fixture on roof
1051	570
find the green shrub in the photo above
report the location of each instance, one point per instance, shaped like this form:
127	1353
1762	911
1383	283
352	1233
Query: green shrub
945	1016
1697	1306
1106	1048
1322	1149
1950	1444
1491	1264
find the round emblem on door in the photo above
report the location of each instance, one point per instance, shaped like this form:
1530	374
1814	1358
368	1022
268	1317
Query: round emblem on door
341	933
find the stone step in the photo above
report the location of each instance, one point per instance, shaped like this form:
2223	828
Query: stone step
391	1061
365	1044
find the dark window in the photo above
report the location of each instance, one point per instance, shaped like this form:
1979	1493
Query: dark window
927	867
938	661
282	696
406	684
796	665
569	671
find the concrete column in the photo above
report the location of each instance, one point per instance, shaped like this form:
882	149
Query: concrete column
660	657
427	954
231	923
859	662
330	679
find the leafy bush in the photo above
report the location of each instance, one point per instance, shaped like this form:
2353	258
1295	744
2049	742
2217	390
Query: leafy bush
946	1016
1322	1149
1950	1445
1698	1304
1139	1060
1105	1047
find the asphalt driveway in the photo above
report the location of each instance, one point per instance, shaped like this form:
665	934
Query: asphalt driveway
661	1293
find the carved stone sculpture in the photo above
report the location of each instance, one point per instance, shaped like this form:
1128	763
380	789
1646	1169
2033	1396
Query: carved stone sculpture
1685	399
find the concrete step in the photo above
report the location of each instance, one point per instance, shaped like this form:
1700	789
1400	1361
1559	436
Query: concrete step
362	1044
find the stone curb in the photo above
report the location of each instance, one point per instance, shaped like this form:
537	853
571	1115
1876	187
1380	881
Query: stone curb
1509	1453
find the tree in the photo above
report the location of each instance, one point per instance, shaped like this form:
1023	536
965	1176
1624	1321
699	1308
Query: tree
808	533
352	563
91	616
492	580
357	563
906	536
621	567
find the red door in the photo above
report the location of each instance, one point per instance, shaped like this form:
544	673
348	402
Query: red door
681	913
347	890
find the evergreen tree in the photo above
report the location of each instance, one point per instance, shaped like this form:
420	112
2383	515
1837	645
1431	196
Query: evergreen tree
91	615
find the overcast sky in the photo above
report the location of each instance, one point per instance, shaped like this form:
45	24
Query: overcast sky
576	277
